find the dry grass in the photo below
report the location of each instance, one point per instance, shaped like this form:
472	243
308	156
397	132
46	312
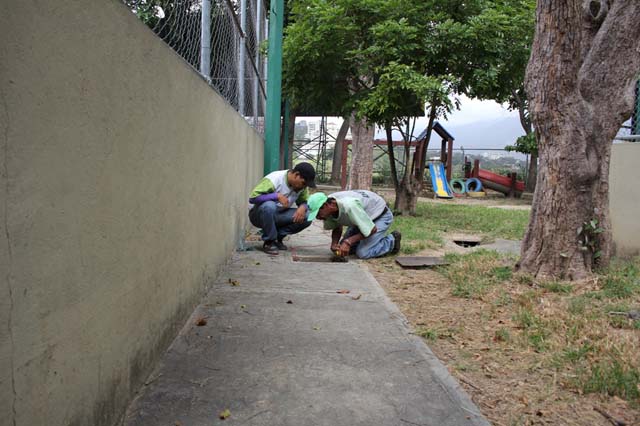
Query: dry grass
529	353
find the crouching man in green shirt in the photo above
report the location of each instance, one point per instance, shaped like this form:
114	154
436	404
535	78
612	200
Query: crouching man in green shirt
272	202
367	217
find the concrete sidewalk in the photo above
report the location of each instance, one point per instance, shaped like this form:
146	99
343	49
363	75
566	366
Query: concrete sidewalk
282	347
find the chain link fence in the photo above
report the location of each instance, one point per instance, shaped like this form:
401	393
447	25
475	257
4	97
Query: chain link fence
222	40
635	118
630	130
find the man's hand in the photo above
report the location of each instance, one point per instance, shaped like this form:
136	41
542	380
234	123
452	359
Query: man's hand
335	247
284	201
300	215
344	249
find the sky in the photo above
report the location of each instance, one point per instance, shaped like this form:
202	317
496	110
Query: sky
471	111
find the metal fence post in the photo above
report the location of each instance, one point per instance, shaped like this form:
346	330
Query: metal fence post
274	87
205	39
256	94
241	59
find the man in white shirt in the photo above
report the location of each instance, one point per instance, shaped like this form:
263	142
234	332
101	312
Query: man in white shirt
272	203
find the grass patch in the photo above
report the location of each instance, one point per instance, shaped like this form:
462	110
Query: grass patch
472	274
556	287
502	335
427	333
614	378
536	331
621	280
431	220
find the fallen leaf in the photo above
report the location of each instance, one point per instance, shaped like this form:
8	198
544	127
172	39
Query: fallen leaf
356	297
243	306
201	321
316	328
343	291
257	263
290	302
225	414
234	283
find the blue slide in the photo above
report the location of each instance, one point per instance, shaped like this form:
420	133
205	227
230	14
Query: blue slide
439	181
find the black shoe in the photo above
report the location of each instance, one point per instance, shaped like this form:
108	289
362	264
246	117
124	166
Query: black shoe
270	247
280	245
397	236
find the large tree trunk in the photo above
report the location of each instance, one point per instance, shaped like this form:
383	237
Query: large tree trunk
407	196
336	165
361	171
580	81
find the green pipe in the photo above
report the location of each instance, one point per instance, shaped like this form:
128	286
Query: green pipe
274	88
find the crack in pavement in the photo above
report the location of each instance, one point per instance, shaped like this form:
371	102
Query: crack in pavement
5	173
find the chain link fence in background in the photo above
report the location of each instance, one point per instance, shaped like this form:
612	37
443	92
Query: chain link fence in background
630	131
222	40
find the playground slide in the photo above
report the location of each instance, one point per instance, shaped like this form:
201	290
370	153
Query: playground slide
498	182
439	181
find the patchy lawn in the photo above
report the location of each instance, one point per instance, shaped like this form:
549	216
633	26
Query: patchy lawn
528	352
432	220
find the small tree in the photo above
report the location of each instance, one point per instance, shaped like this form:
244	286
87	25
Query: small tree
401	89
504	31
580	80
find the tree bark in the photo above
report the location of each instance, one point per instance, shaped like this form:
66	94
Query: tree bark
336	165
361	171
580	81
407	196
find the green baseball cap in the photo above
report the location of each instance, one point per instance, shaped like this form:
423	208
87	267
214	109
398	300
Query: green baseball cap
314	203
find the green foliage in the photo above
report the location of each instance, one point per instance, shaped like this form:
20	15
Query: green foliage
526	144
588	237
503	33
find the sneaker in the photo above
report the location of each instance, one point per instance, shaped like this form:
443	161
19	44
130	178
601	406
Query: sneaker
280	245
270	247
397	236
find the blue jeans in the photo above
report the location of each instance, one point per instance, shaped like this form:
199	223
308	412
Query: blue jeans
377	244
275	224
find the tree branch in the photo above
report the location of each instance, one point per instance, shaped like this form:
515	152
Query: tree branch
392	157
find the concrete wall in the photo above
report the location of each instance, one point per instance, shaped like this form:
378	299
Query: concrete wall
124	181
624	198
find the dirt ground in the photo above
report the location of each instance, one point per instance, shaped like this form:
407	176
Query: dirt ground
511	385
